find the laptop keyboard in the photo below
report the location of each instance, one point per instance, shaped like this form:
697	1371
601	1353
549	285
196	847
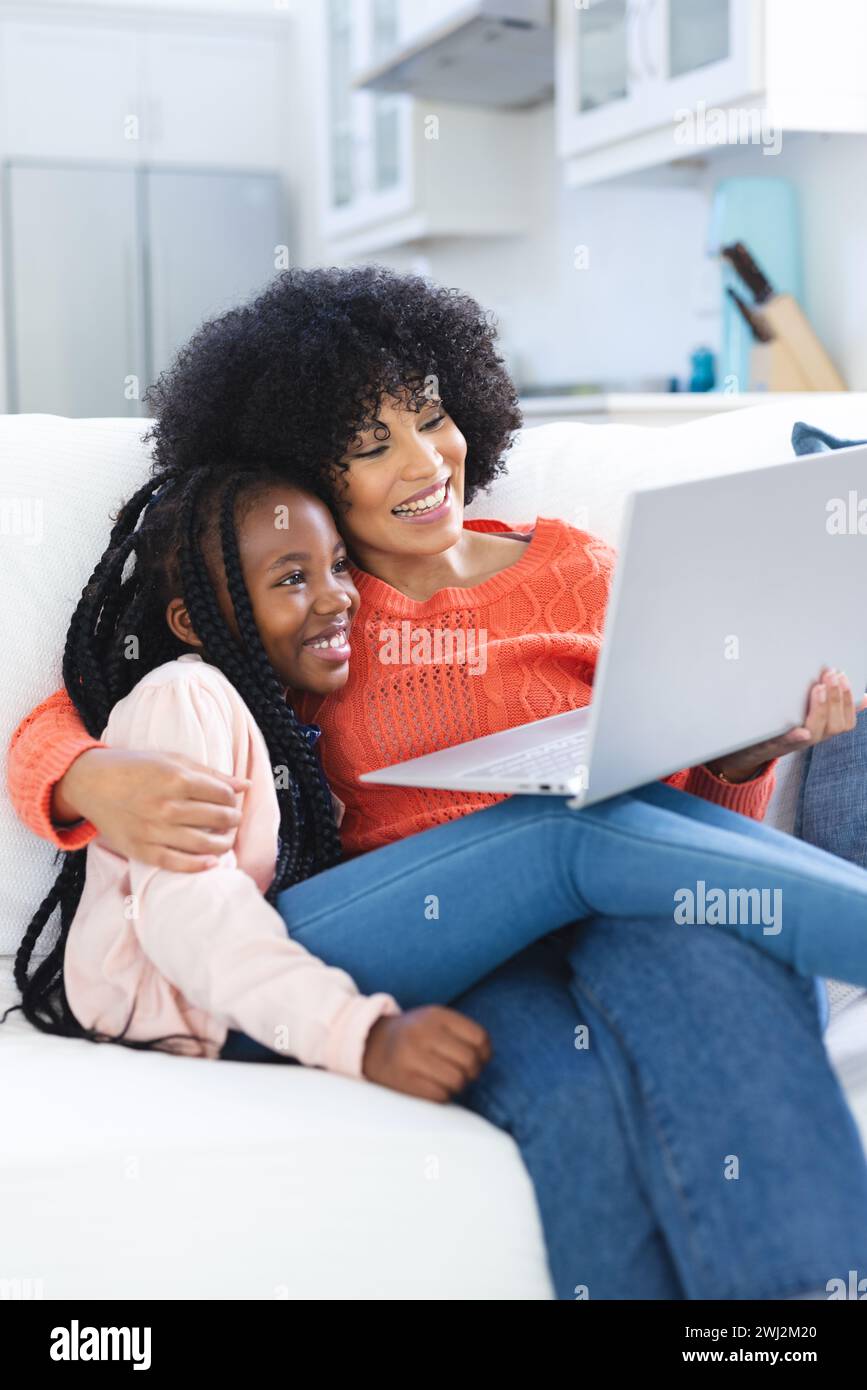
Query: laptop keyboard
552	761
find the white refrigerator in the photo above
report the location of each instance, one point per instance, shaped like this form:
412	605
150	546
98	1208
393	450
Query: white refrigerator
109	270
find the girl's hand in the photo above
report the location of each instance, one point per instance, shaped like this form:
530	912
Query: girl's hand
831	710
163	810
431	1052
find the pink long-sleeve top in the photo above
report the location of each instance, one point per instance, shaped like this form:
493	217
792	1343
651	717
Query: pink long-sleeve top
198	954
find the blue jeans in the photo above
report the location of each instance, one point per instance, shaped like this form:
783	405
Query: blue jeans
694	1143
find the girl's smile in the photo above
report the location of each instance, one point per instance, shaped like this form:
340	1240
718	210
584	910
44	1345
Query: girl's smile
331	644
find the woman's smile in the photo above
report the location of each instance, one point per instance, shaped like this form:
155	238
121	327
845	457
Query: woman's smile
431	504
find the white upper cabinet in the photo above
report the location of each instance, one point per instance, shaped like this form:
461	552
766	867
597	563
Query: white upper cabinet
38	117
395	169
625	67
643	82
197	94
706	50
211	98
602	88
368	136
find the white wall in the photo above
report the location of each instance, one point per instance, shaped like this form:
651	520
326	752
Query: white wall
629	314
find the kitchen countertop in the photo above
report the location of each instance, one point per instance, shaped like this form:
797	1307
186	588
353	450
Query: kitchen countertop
663	402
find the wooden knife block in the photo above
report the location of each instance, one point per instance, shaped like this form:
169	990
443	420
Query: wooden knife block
773	368
798	355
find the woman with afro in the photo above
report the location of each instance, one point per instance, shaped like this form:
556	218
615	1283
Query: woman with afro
632	1059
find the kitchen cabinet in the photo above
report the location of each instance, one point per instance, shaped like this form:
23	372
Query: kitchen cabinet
627	66
646	82
75	313
196	93
208	239
110	270
395	169
368	136
36	116
104	274
211	98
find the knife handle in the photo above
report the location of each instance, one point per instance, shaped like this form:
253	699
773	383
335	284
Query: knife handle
746	267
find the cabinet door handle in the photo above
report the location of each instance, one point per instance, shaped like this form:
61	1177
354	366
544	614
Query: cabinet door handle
649	62
634	9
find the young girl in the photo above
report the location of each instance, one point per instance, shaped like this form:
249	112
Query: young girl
150	957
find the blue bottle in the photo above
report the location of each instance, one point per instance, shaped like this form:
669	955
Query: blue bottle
703	376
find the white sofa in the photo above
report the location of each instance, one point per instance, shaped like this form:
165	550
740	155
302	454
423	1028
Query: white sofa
128	1175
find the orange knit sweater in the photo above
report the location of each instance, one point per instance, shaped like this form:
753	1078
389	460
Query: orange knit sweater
530	639
532	633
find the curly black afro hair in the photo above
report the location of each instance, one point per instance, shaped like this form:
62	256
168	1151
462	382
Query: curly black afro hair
287	381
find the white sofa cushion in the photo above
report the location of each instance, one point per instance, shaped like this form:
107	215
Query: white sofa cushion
137	1175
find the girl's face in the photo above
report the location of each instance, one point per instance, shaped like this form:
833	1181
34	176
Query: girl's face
297	575
403	494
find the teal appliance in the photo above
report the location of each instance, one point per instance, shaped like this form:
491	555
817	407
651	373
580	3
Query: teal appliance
762	213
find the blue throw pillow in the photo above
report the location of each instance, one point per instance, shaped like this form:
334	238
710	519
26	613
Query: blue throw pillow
809	439
832	804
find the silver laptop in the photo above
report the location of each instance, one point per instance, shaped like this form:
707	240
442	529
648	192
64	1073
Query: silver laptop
729	596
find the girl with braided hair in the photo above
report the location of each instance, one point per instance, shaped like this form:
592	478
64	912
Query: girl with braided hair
267	608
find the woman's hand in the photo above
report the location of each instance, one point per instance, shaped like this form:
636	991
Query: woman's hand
831	710
164	810
431	1052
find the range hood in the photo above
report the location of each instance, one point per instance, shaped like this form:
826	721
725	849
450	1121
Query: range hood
488	53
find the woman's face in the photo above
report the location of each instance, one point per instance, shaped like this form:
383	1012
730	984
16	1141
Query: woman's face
403	494
297	574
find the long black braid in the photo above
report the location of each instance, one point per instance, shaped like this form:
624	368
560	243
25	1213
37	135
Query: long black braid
117	634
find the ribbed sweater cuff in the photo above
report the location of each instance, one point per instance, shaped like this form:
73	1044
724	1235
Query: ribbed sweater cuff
344	1052
54	762
749	798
